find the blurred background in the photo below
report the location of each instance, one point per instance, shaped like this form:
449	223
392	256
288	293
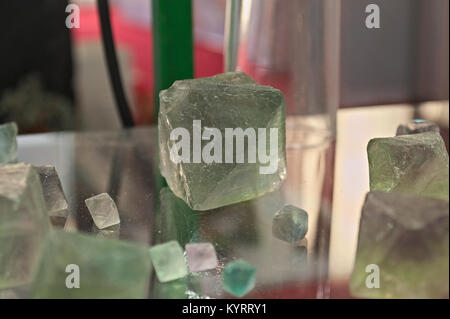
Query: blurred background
54	78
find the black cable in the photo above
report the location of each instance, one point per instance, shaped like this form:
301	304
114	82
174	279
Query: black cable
113	66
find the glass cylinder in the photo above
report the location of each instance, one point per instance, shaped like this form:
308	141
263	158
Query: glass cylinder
293	45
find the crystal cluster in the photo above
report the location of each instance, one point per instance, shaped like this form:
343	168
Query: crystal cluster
103	210
53	192
205	108
8	143
416	164
107	268
403	247
24	223
290	224
168	261
239	277
201	256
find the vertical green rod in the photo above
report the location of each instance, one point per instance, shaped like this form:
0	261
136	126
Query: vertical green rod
173	56
172	44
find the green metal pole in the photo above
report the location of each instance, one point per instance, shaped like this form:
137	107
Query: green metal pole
172	44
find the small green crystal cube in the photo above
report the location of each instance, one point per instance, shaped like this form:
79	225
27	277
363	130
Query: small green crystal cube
24	223
168	261
107	268
416	164
222	165
403	247
290	224
8	142
239	277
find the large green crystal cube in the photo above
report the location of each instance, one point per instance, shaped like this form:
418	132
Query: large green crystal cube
403	247
24	223
107	268
8	142
211	170
416	164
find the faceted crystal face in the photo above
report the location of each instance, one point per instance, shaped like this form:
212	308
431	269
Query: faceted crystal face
23	223
176	221
210	172
168	261
8	143
417	126
416	164
53	192
290	224
239	277
107	268
406	237
201	256
103	210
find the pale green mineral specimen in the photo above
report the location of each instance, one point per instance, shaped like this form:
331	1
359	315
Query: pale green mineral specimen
106	268
403	247
206	169
168	261
239	277
290	224
416	164
8	142
24	223
103	210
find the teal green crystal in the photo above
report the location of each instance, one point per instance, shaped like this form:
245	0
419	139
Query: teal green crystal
24	223
290	224
168	261
8	142
230	100
416	164
239	277
108	268
407	237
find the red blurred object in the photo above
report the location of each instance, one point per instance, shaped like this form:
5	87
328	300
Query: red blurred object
137	40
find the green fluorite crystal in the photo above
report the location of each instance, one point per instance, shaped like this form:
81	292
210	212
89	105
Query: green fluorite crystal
407	237
24	223
108	268
416	163
8	142
290	224
239	277
168	261
103	210
231	100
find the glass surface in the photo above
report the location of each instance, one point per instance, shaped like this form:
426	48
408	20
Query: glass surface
125	165
292	45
